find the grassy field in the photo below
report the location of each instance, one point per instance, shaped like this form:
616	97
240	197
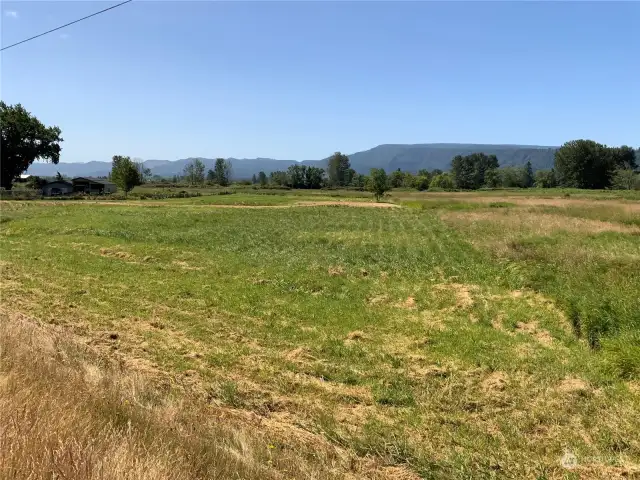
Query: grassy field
456	335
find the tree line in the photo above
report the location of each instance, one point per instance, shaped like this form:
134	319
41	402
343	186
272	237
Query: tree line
577	164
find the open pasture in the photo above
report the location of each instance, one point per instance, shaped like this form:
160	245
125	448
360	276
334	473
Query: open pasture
450	336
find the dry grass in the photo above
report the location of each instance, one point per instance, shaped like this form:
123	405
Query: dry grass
516	221
629	206
68	413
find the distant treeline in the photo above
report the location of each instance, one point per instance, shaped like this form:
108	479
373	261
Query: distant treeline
578	164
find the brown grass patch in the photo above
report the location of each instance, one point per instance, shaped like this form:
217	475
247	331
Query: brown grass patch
525	350
515	222
399	473
572	385
461	291
495	382
409	304
336	271
437	371
534	201
378	299
108	252
532	329
356	335
184	265
70	412
300	354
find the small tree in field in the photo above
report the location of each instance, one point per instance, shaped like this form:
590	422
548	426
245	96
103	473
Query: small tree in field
529	179
443	181
124	173
222	169
625	179
194	172
378	182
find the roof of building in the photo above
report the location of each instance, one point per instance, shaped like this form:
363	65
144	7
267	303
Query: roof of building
59	181
24	176
102	181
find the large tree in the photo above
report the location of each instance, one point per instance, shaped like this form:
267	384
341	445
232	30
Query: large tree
296	176
396	178
24	140
469	171
314	177
584	164
125	173
624	157
339	170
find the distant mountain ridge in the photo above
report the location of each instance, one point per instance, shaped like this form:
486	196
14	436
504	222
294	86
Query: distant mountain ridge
407	157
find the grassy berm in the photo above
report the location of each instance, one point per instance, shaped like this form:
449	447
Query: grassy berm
453	336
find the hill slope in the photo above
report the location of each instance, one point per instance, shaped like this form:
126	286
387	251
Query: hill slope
390	157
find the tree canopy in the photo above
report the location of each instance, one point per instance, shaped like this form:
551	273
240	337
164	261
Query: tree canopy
339	170
222	171
25	139
194	172
469	171
124	173
378	182
443	181
584	164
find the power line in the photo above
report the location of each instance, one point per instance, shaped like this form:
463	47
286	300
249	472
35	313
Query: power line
65	25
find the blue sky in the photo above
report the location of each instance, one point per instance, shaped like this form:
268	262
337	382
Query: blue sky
300	80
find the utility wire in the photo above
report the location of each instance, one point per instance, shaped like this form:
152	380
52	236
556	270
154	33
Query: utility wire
65	25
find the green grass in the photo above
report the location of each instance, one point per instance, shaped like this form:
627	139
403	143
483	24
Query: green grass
437	337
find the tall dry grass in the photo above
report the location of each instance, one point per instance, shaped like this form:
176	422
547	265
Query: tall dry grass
64	414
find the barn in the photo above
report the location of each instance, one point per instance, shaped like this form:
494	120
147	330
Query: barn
93	185
57	187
